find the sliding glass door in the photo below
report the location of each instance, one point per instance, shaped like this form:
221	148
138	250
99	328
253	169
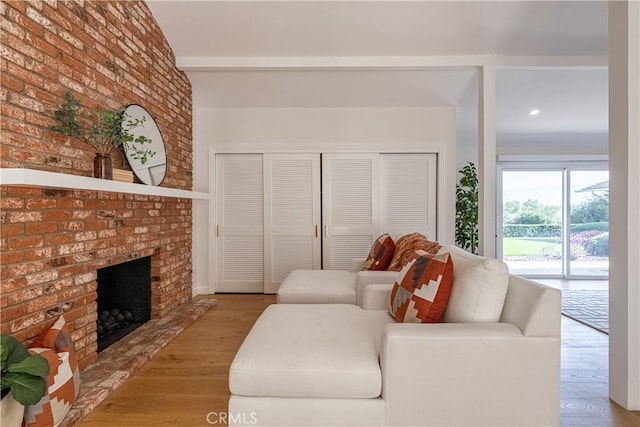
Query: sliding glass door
589	219
532	221
553	220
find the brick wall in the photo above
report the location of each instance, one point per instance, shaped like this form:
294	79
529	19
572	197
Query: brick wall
52	240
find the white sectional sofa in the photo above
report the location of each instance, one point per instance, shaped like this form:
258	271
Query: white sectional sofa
344	365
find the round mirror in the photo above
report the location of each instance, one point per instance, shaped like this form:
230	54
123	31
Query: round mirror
148	160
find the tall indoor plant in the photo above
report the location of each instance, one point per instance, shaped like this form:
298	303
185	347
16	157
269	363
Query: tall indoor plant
108	130
22	379
467	208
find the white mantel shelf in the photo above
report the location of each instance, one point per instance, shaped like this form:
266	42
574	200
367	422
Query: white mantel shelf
37	178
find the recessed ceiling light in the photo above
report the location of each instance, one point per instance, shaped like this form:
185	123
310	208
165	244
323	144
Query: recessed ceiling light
534	112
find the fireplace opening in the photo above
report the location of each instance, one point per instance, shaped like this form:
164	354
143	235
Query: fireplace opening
124	300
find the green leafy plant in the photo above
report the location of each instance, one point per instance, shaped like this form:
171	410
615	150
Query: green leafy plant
22	372
467	208
109	129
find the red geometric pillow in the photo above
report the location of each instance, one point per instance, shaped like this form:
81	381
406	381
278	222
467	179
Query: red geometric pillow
63	381
380	253
422	290
407	245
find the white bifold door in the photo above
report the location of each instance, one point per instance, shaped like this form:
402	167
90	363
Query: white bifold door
349	207
269	211
365	195
268	214
408	194
240	223
292	216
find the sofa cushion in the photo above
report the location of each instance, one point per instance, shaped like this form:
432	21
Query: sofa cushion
422	290
63	380
311	350
407	245
479	287
318	287
380	254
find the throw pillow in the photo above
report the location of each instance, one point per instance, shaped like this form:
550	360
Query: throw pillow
479	288
63	381
423	288
380	254
406	247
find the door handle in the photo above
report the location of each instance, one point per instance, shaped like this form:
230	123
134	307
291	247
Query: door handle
316	231
218	230
326	231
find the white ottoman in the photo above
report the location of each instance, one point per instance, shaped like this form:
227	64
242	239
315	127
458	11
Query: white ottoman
318	287
300	365
305	350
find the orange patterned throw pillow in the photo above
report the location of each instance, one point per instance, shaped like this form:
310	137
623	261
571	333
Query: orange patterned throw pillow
63	381
422	290
406	247
381	253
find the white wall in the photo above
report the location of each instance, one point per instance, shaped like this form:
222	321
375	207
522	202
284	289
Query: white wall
536	144
327	129
624	220
201	233
467	126
318	130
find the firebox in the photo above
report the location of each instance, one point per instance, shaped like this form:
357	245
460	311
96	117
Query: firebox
124	299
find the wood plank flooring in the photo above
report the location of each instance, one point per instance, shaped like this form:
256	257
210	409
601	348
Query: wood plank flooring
188	379
585	379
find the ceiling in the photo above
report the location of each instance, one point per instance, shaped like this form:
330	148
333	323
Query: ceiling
570	100
382	28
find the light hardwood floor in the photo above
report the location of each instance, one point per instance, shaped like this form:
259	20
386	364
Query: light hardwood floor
188	379
585	379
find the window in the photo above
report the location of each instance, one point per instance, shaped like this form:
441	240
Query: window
553	220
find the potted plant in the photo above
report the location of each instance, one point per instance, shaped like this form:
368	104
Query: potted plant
110	129
467	208
22	382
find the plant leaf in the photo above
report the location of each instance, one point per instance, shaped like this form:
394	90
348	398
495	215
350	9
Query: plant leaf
33	365
26	389
12	350
467	208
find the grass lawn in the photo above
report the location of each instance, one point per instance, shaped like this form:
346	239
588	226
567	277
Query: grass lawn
515	246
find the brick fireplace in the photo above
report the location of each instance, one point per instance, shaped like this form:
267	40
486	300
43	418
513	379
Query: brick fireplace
52	254
53	241
124	299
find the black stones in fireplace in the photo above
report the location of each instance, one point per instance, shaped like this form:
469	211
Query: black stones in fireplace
124	299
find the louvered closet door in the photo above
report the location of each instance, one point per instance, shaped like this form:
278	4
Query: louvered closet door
292	215
240	254
408	194
349	207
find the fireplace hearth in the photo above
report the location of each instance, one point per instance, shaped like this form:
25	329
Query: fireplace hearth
124	300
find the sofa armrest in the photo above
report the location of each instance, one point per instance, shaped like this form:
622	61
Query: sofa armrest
467	374
376	297
367	277
356	264
534	307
